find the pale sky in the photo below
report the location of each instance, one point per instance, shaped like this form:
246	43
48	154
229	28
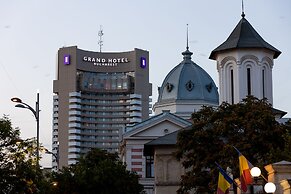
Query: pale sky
32	31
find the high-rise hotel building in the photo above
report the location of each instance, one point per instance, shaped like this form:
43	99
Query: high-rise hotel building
97	95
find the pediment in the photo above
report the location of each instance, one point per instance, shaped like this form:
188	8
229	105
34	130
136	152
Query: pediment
155	127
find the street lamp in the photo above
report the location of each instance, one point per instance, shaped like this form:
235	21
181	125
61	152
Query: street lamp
269	186
36	115
54	155
255	172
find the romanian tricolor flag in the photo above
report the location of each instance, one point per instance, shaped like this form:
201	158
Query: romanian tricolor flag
244	171
224	182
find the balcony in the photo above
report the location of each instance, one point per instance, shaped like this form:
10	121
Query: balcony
74	112
74	106
74	150
74	100
135	108
72	118
74	143
74	131
70	162
135	102
74	125
73	156
74	137
135	96
135	114
75	94
135	120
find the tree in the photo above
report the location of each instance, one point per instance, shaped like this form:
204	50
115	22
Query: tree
18	170
97	171
250	126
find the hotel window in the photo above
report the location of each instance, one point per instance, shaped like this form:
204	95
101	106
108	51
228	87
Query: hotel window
149	166
113	83
119	83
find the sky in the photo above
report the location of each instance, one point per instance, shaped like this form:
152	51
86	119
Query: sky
32	31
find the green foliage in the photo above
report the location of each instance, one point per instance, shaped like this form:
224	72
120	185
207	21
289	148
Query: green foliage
97	172
18	170
250	126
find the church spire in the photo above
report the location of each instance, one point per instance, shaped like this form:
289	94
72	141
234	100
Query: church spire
187	47
242	8
187	54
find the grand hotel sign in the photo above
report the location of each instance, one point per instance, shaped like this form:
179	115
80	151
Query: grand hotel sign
110	62
107	62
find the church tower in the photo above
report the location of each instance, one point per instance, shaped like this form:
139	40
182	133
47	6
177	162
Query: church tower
244	63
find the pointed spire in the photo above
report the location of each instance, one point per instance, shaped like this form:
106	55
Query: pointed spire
187	47
242	8
187	54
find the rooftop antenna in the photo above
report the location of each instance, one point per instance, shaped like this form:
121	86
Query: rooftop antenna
100	34
187	39
242	8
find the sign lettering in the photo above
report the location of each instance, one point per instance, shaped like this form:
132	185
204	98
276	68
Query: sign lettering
110	62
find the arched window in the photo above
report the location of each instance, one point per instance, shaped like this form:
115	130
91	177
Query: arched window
231	86
264	78
249	83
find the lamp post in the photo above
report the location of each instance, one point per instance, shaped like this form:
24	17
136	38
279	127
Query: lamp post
269	186
36	115
54	155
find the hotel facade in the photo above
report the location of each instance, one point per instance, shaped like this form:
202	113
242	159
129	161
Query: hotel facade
96	96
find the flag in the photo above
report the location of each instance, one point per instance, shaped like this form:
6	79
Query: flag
223	185
224	181
244	171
